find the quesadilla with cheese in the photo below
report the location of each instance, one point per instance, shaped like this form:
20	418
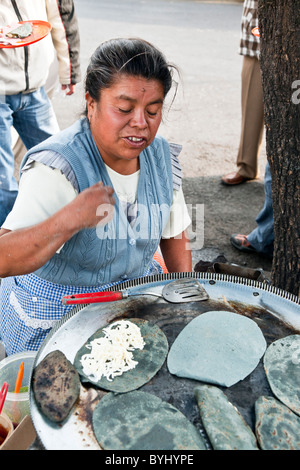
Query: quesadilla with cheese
122	356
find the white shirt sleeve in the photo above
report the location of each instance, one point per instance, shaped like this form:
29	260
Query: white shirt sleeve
42	192
179	219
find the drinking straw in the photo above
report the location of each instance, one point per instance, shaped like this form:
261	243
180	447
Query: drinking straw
19	378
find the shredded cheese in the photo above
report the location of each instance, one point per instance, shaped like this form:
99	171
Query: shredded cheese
111	354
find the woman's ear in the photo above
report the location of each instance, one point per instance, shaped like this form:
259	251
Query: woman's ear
90	104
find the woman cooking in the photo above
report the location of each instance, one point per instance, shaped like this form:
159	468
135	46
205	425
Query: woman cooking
96	200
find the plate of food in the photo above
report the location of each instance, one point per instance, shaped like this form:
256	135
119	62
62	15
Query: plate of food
23	33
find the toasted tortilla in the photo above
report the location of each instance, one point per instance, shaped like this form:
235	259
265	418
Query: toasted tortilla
22	31
142	421
276	426
150	359
282	367
217	347
224	425
56	386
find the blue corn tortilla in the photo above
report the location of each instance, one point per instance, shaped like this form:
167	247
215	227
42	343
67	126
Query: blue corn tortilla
282	368
224	425
276	426
217	347
150	359
141	421
56	386
22	31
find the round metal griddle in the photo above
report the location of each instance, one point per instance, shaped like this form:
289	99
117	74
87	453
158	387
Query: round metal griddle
276	312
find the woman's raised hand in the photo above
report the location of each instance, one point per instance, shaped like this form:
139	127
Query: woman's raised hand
93	206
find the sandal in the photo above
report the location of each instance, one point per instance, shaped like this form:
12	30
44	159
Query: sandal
241	243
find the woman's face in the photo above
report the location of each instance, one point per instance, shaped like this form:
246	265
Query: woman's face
125	120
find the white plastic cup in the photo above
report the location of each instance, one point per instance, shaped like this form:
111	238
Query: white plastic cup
16	405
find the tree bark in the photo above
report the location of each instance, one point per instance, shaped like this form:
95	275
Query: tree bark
279	27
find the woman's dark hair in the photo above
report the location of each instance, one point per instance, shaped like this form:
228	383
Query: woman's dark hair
129	57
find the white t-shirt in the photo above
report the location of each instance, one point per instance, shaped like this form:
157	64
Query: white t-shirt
37	200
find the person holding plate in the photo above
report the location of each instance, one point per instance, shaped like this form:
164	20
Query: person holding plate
24	103
97	200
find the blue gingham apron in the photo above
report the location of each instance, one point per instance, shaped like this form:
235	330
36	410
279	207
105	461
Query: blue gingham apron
31	306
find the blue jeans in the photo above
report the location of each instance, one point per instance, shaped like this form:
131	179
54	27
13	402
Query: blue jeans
262	237
33	118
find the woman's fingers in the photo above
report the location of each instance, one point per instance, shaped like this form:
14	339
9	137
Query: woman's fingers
95	205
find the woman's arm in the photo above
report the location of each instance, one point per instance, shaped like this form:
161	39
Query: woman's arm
177	253
25	250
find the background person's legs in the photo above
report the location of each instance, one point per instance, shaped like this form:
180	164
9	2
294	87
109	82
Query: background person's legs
252	118
8	183
252	126
35	120
51	85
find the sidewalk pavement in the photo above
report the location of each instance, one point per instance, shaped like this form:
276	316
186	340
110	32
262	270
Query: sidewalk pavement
218	211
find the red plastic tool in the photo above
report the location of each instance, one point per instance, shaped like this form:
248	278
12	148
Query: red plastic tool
94	297
3	394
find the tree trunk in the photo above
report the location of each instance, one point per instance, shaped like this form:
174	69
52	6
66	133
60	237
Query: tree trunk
279	27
